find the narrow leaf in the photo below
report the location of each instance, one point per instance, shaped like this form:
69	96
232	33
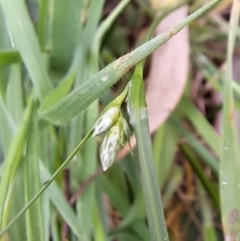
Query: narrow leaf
7	126
85	94
26	42
61	204
230	159
59	170
13	157
34	219
139	121
10	57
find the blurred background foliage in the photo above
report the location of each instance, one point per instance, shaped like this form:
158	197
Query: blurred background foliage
61	44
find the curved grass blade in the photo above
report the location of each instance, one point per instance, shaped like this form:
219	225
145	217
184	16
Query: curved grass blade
85	94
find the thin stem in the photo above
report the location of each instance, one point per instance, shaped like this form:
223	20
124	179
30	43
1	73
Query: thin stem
45	186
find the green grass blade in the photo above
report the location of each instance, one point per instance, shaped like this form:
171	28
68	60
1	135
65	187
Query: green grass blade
61	91
42	23
209	232
164	149
34	219
59	170
230	159
5	40
46	215
141	229
118	201
85	94
26	42
10	57
175	180
209	186
55	228
89	64
85	41
13	158
106	25
89	152
7	126
14	96
209	70
202	151
123	236
5	45
65	22
139	121
100	235
201	124
61	204
18	230
86	203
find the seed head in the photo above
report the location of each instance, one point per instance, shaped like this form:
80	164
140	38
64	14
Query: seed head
112	142
106	120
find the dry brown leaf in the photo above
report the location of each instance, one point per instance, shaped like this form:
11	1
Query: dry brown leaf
168	74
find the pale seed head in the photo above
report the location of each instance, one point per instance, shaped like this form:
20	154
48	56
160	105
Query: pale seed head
106	120
112	142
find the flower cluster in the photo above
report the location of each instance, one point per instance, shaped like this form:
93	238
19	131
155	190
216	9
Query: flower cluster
112	122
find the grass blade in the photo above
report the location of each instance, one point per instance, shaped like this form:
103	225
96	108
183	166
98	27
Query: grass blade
34	219
209	232
85	94
139	121
59	170
106	25
14	95
201	124
202	151
18	230
13	158
65	22
229	163
42	22
164	150
61	204
10	57
209	186
7	126
26	41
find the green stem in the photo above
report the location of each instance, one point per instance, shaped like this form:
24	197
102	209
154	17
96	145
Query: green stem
59	170
139	121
